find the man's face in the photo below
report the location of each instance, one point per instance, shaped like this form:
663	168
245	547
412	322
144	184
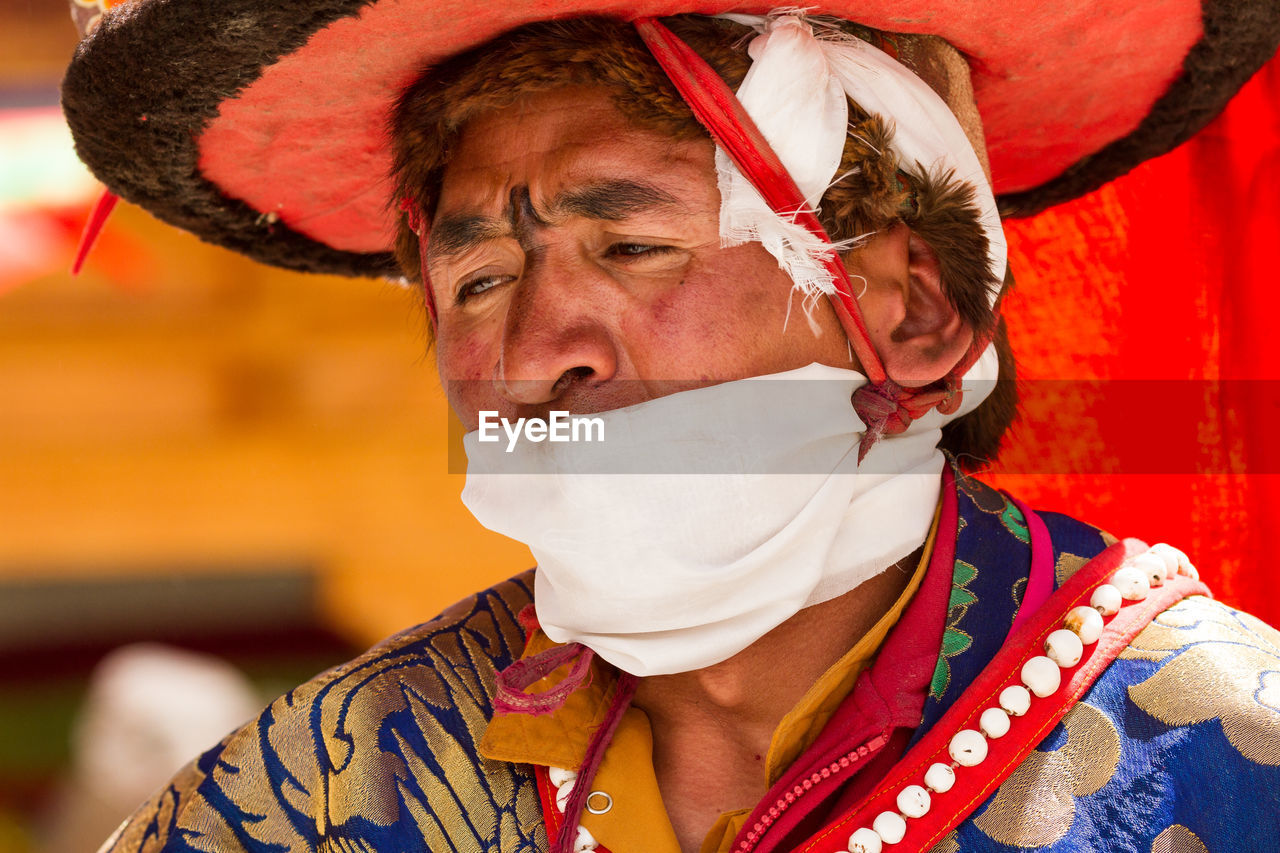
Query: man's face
576	265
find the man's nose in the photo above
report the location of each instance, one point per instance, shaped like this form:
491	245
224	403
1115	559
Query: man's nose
558	335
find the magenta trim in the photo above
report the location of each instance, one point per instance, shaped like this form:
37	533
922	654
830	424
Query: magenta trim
567	837
512	683
1040	582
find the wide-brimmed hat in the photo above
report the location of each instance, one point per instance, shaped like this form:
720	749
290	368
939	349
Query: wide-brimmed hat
262	126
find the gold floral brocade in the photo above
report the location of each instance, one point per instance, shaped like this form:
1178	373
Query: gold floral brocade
1037	804
1217	664
1178	839
1155	752
392	754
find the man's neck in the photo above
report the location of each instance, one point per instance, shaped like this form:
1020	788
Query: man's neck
712	727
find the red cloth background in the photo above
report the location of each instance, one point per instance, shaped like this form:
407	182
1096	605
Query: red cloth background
1158	285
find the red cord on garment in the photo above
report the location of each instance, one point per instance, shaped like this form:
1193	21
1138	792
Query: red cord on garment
514	681
513	697
624	692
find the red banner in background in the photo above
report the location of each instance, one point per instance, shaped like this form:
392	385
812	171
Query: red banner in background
1169	274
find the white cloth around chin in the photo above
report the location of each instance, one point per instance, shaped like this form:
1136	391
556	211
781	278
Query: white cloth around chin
707	518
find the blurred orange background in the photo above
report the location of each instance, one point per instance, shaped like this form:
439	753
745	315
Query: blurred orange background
178	404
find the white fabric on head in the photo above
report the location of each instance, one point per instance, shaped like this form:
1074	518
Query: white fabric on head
795	92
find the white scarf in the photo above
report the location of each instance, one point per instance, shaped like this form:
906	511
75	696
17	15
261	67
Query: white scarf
705	519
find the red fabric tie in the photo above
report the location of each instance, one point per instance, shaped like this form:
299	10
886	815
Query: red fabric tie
888	408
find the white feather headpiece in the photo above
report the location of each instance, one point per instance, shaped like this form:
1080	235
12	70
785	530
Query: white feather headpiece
795	92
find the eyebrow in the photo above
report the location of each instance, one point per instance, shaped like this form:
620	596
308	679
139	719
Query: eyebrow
454	235
611	201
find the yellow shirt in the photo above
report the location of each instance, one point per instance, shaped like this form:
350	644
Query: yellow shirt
637	822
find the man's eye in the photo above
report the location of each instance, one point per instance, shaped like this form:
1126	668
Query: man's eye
477	286
636	250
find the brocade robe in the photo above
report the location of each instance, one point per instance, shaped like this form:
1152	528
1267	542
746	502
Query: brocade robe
1174	749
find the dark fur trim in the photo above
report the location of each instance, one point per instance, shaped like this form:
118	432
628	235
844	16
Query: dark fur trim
869	196
1239	36
143	87
945	216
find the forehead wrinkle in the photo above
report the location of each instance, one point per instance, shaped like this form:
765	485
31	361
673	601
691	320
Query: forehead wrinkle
607	200
522	216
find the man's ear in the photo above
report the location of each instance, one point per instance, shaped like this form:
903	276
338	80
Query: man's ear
914	327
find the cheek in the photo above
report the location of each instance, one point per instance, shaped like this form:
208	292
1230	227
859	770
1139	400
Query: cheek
748	298
462	356
702	308
466	366
721	322
783	318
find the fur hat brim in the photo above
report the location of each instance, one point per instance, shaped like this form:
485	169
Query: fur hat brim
262	126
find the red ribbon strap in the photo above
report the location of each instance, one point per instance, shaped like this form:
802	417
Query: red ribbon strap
417	224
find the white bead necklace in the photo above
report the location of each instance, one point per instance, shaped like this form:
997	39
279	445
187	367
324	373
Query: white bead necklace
1041	676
